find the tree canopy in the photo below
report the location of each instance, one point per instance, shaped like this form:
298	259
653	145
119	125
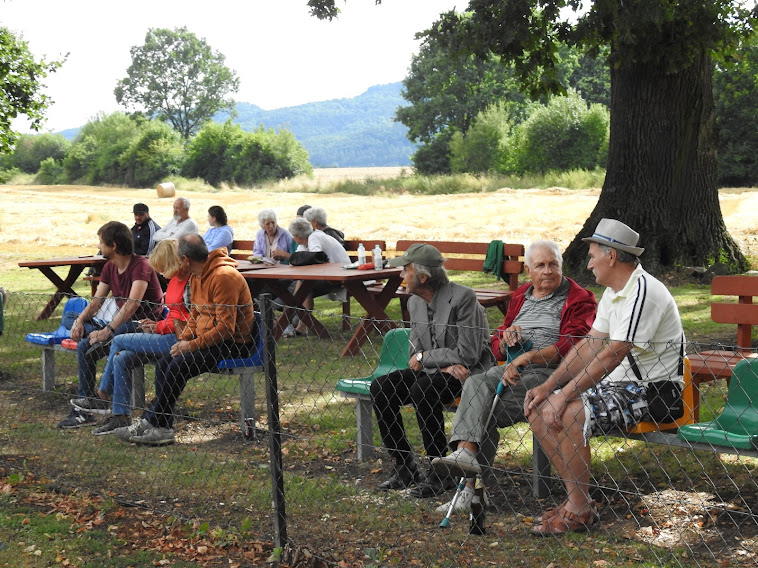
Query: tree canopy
735	88
178	78
21	93
661	171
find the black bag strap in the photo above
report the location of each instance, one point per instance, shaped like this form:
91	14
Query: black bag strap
634	367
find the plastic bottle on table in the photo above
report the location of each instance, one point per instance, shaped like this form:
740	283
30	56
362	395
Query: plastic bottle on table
378	258
361	254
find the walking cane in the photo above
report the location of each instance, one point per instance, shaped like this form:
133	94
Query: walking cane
462	483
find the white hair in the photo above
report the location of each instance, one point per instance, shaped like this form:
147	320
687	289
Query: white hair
545	244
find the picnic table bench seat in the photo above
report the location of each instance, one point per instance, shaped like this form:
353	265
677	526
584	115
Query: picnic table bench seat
469	256
720	363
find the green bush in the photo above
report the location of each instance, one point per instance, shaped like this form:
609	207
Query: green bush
227	154
32	149
50	172
433	158
6	174
566	134
98	154
155	154
484	148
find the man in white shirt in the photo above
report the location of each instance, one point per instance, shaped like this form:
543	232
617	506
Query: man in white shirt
180	224
313	245
628	369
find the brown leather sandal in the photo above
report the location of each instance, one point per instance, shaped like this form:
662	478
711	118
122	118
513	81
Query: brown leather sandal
565	521
551	512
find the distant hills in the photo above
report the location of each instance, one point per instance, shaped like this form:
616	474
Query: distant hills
339	133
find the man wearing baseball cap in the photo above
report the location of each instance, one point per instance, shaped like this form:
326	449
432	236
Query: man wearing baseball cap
628	369
449	341
143	230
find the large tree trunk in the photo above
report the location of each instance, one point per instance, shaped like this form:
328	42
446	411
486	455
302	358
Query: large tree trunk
661	173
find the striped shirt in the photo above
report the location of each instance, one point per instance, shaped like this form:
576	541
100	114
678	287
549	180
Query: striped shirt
540	318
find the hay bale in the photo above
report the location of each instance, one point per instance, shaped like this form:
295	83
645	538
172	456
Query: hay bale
166	189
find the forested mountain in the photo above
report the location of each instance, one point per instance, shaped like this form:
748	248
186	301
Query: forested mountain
357	132
342	132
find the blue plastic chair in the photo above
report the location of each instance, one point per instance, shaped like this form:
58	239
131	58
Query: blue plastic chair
76	305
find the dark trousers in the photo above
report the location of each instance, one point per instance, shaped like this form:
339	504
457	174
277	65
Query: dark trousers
172	374
428	394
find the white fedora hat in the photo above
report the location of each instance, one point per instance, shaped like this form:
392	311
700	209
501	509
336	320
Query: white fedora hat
615	234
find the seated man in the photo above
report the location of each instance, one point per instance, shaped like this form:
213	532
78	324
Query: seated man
548	315
628	369
144	229
315	246
180	224
316	216
221	325
134	284
448	343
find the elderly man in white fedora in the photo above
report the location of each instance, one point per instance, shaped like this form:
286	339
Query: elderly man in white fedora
628	369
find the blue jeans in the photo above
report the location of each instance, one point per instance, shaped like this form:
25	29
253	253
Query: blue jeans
128	351
88	363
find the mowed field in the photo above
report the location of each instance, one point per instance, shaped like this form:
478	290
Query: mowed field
49	221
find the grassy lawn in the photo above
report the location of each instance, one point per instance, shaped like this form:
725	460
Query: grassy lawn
212	489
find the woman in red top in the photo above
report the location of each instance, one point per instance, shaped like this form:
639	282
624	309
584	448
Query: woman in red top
154	341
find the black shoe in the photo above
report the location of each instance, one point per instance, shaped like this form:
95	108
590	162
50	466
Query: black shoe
434	484
403	477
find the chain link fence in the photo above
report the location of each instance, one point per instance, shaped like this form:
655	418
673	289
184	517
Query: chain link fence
658	504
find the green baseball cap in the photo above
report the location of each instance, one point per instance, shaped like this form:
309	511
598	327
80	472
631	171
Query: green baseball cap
419	253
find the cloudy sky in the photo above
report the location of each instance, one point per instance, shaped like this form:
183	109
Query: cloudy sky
282	55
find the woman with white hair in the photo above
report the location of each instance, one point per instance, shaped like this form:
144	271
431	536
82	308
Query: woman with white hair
270	238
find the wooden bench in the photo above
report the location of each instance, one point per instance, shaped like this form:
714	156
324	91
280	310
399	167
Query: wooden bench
244	368
467	256
719	364
241	250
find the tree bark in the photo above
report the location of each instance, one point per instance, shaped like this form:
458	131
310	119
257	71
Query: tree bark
661	172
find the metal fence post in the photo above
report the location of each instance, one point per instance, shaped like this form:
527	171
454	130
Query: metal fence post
274	426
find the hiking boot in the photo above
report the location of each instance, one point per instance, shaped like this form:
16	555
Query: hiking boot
404	476
113	423
461	463
434	484
76	419
463	504
92	405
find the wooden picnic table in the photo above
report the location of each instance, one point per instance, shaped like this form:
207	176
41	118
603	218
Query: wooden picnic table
278	278
76	265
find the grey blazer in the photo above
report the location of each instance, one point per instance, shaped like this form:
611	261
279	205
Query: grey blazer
460	326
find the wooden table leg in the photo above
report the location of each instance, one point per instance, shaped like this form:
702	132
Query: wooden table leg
376	317
294	305
64	288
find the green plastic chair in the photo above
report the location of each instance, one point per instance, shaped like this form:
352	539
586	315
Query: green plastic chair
393	356
737	425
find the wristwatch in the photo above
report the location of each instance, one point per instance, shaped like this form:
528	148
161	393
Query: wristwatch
419	356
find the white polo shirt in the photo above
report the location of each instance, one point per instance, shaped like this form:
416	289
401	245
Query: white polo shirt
645	314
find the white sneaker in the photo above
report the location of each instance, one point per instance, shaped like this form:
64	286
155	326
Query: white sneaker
461	463
463	504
